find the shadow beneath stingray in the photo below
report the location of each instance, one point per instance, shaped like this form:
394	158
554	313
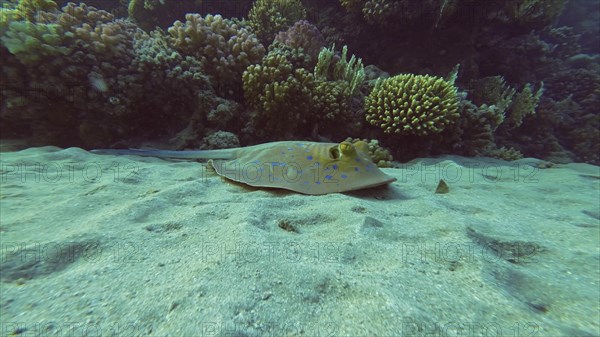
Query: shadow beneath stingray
385	192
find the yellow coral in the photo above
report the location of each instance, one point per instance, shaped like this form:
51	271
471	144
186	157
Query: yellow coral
412	104
379	155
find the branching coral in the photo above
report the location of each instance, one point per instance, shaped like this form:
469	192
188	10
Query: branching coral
280	94
504	153
331	67
412	104
23	10
491	90
223	46
379	11
524	104
31	42
289	98
93	79
77	57
268	17
331	101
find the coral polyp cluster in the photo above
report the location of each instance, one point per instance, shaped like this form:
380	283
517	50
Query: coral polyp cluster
223	46
412	104
512	78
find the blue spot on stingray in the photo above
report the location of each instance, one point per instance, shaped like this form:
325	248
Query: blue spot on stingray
356	169
344	176
305	183
309	157
318	183
335	167
328	177
357	160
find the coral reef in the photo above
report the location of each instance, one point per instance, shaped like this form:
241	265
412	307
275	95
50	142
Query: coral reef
534	13
93	80
72	58
145	12
329	67
290	100
378	154
269	17
224	47
221	140
23	10
280	94
524	104
393	12
491	90
83	76
412	104
305	36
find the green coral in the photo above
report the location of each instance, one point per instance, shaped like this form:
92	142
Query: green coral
352	5
23	10
280	94
297	56
352	72
288	97
378	154
492	90
412	104
379	11
146	13
33	42
26	9
268	17
504	153
524	104
330	100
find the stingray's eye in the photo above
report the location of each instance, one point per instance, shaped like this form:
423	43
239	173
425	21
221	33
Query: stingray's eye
334	152
347	149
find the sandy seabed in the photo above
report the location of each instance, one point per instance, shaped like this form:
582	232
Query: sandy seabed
128	246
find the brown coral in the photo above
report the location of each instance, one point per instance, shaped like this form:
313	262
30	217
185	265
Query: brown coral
223	46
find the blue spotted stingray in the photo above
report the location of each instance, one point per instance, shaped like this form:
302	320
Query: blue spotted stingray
303	167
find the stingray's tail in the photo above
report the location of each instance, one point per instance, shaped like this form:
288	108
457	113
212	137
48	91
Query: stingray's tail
198	154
